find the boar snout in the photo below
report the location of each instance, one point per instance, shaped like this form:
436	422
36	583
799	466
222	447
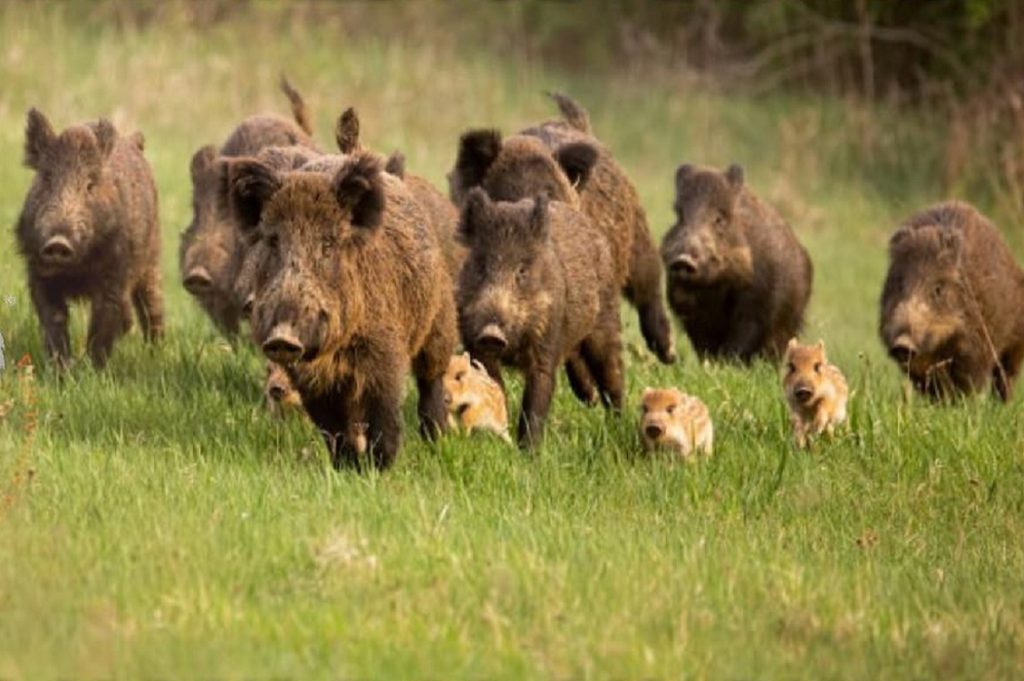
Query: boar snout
803	392
283	345
57	249
276	392
198	281
902	349
684	266
654	431
491	339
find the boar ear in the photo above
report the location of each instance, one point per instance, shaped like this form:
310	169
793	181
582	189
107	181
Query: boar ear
346	131
952	241
395	165
106	137
683	174
473	212
734	174
359	189
250	186
648	391
138	139
201	161
478	365
478	149
539	223
577	160
821	344
792	344
39	136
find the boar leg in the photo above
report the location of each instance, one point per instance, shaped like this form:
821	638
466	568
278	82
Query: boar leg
382	404
111	318
1005	374
149	306
332	413
744	341
52	310
540	386
429	367
580	380
602	351
643	289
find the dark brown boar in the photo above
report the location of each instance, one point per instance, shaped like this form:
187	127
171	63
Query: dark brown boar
738	279
351	290
565	161
952	307
89	229
210	255
537	290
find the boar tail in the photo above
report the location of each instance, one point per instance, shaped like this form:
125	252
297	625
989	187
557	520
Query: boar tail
574	114
299	109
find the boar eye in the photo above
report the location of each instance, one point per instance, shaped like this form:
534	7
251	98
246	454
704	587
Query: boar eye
791	367
670	408
817	367
521	272
459	376
272	241
90	185
937	291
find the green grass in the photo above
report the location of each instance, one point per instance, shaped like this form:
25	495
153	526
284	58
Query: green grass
171	530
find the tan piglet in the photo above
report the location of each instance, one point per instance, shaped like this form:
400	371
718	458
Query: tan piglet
671	419
474	400
816	391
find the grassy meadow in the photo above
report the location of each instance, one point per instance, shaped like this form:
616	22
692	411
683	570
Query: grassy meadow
154	523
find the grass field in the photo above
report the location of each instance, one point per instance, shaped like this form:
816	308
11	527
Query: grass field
170	530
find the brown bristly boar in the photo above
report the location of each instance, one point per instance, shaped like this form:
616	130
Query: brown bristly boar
210	255
538	289
816	391
952	307
89	230
475	400
738	278
352	291
563	160
671	419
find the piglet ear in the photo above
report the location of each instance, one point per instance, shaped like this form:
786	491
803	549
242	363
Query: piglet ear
648	391
478	150
539	221
359	190
39	136
106	137
202	160
346	132
251	184
734	174
577	160
474	212
793	342
683	175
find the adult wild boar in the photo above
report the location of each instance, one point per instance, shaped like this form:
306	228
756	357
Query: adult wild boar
89	230
738	279
351	290
210	254
563	160
952	307
537	290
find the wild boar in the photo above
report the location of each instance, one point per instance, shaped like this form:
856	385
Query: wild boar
738	279
816	391
952	307
210	255
538	288
475	400
671	419
563	160
89	230
351	291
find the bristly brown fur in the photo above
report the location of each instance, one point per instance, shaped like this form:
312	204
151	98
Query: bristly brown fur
952	306
540	276
739	280
94	193
210	246
372	297
346	131
563	160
